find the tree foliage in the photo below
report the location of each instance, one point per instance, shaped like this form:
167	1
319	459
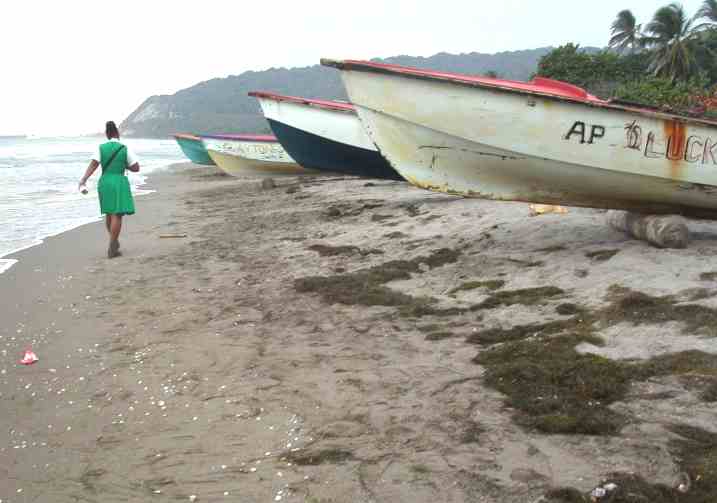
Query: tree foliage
626	33
672	42
663	92
599	72
671	63
708	14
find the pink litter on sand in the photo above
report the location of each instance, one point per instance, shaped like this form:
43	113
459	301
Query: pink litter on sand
29	358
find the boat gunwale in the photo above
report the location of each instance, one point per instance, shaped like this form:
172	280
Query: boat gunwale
420	74
324	104
242	138
187	136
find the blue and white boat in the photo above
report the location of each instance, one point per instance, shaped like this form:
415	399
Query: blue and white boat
324	135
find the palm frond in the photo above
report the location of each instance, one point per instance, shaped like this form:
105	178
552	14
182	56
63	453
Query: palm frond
624	22
672	38
708	11
667	21
626	33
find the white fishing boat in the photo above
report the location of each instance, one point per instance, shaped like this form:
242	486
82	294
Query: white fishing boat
250	155
323	135
542	141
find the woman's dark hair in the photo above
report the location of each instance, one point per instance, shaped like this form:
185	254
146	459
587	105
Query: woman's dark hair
111	130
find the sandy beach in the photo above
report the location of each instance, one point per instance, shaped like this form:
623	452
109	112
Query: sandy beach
347	340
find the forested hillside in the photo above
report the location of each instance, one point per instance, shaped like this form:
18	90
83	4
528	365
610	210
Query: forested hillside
222	104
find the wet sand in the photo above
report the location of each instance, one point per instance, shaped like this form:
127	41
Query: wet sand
198	368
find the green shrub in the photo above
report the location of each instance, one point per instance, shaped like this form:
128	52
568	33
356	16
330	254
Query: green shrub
599	72
663	92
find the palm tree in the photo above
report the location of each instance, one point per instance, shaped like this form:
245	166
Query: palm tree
708	12
673	40
707	53
626	33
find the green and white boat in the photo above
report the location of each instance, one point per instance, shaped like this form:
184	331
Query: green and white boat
193	148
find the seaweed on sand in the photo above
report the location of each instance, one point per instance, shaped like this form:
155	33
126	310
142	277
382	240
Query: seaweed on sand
708	276
439	336
314	457
495	284
366	286
640	308
695	453
524	296
556	389
602	255
332	251
519	332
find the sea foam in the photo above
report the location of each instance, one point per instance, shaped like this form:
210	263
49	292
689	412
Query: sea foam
39	179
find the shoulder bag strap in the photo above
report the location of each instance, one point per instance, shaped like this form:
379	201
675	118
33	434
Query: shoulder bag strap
112	157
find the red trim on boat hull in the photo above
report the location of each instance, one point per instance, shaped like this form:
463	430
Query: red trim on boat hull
539	85
328	104
187	136
550	89
243	137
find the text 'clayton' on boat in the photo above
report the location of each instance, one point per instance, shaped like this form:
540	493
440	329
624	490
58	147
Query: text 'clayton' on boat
250	155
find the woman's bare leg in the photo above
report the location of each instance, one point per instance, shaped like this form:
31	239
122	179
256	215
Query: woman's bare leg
107	223
115	229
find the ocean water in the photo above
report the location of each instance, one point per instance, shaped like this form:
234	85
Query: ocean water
38	185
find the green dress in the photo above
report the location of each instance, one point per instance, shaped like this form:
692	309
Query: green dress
113	187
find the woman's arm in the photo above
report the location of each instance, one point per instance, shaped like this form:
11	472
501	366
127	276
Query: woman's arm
132	161
89	171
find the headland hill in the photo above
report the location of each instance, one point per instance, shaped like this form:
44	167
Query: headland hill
222	104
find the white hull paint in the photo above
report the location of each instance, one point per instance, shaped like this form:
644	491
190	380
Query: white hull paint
336	125
251	158
482	142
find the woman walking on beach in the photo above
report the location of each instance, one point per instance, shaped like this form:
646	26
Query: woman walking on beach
113	188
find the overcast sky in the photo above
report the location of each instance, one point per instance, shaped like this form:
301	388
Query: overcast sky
69	66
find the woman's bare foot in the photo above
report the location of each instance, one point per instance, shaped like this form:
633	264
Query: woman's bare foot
113	250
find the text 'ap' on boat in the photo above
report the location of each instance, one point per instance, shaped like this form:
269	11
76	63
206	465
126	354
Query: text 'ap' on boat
543	141
324	135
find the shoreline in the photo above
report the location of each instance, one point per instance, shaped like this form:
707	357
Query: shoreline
279	353
140	191
43	200
10	256
47	292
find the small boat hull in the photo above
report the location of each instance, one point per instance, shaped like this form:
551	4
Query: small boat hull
239	166
322	154
324	136
250	157
478	141
193	149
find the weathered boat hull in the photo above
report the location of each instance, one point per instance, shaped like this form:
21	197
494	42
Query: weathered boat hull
239	157
478	141
193	148
324	137
240	167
